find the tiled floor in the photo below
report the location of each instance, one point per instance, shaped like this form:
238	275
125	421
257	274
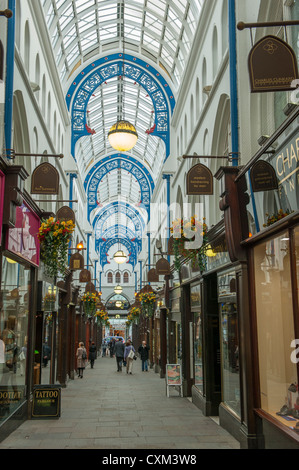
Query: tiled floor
112	410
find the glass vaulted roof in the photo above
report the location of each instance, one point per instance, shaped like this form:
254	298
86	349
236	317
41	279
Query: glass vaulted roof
162	30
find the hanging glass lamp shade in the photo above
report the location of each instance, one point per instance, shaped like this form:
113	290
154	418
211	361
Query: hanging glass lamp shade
118	303
120	257
122	136
118	289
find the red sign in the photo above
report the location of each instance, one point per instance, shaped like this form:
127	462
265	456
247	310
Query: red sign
22	240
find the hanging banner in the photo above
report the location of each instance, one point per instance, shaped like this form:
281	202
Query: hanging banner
263	177
272	65
199	180
45	179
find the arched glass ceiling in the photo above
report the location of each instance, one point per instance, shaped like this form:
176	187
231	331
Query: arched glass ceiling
162	30
104	108
116	184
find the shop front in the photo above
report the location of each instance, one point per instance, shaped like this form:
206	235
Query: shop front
20	262
273	252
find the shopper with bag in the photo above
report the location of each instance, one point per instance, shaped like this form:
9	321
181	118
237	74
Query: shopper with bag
129	356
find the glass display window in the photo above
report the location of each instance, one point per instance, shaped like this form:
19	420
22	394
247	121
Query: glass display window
14	314
230	356
278	371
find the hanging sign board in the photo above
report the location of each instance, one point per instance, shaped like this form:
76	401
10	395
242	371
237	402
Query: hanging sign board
84	276
174	377
65	213
90	287
272	65
162	267
263	177
46	401
199	180
152	276
147	289
45	179
76	262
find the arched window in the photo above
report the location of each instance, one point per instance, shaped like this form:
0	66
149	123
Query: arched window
27	48
117	277
110	278
126	278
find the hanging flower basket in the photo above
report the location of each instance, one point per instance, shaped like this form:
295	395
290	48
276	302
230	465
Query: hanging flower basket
148	300
89	300
271	219
197	256
49	302
133	316
54	237
101	317
49	319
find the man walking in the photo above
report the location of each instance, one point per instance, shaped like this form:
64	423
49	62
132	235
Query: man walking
119	354
143	351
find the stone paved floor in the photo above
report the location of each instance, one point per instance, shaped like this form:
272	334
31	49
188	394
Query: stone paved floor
112	410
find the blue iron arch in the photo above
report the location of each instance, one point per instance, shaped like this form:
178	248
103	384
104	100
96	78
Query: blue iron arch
113	162
119	207
121	231
89	79
105	246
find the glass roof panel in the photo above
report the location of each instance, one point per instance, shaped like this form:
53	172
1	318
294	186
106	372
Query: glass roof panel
147	23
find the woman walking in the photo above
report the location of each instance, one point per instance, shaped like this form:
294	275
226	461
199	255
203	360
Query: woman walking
92	354
81	359
128	356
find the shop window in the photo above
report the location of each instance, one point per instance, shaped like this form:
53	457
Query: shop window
230	356
198	362
275	328
14	312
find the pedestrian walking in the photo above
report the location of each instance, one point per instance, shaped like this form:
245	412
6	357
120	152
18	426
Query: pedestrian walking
92	354
81	359
46	354
143	351
104	347
129	356
119	353
112	347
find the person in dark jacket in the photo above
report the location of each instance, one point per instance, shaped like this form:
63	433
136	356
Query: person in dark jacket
119	354
92	354
46	354
143	351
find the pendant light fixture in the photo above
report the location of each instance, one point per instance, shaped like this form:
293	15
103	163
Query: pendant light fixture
123	135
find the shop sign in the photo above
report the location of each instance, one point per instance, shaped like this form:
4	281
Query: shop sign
45	180
162	267
65	214
152	276
174	377
263	177
22	240
46	401
10	397
272	65
2	183
199	180
76	262
84	276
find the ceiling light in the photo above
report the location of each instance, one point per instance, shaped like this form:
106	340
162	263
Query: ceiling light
122	136
120	257
118	289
